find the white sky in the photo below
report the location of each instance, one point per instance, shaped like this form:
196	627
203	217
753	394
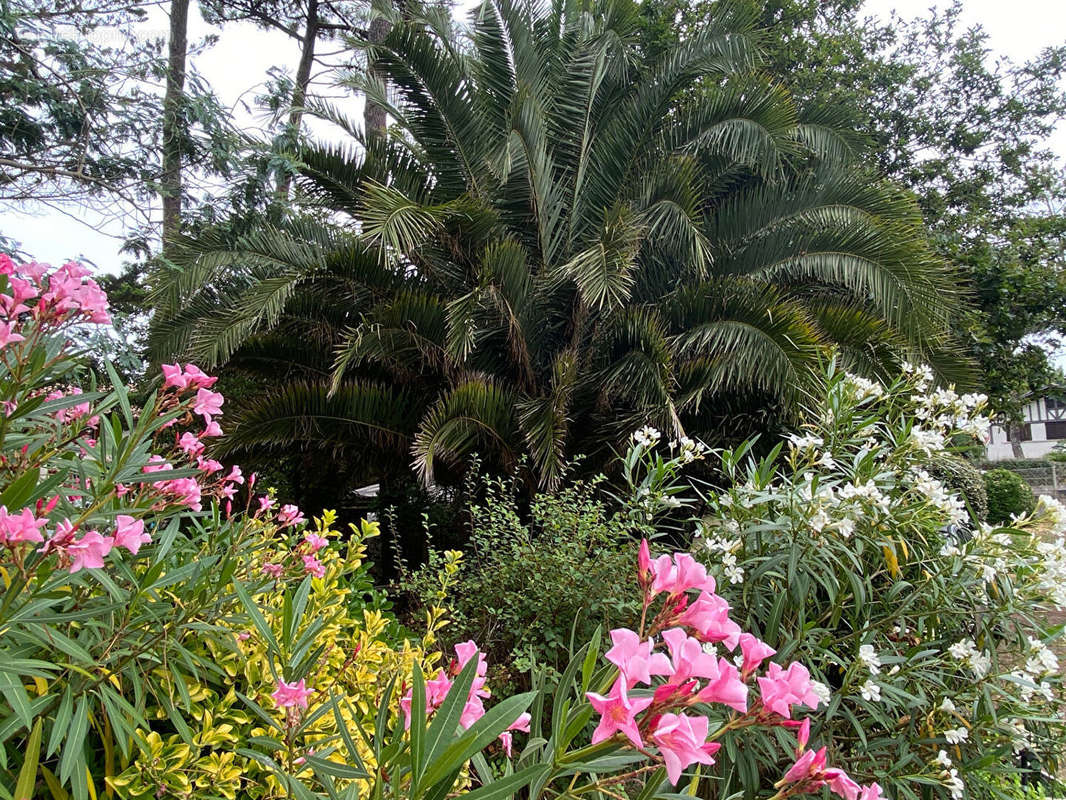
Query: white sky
237	65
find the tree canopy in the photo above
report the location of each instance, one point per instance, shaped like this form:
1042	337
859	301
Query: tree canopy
555	245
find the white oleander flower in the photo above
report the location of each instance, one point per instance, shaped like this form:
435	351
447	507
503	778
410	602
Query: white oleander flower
822	691
819	519
870	691
868	656
963	649
647	436
947	706
980	663
943	759
806	442
956	735
954	784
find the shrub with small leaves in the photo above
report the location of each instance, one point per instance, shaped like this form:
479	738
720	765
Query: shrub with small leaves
1008	495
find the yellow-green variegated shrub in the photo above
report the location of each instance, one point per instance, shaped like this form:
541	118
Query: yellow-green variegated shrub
350	648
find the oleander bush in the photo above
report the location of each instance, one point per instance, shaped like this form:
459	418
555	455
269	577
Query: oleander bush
1008	495
143	584
663	715
925	626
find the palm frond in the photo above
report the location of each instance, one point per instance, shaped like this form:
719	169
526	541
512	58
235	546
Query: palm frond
477	412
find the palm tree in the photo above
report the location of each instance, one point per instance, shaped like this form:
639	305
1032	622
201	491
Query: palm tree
555	244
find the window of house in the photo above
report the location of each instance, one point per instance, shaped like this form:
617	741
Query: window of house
1055	430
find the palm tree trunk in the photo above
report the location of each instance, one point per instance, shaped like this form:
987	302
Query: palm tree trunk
173	128
374	117
299	89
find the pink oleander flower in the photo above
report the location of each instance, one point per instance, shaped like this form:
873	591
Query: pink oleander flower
289	695
129	533
186	491
687	658
266	502
803	735
190	445
520	724
842	785
436	690
645	572
235	476
755	651
229	491
208	404
273	570
156	464
464	652
781	688
208	465
808	766
472	711
683	574
211	429
728	688
682	741
617	713
315	542
290	515
8	335
174	377
121	490
871	792
196	378
244	636
21	527
313	566
709	618
635	658
89	551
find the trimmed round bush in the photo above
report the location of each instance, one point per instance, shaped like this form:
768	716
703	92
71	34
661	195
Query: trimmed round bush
963	477
1007	494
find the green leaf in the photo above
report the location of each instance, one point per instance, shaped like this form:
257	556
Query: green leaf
72	760
20	490
15	694
258	620
508	787
478	736
418	727
28	774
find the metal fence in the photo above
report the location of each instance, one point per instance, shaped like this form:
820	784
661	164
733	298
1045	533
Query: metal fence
1050	479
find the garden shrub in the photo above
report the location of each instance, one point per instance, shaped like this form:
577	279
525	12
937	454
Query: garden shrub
926	628
962	477
662	705
535	582
143	584
1008	495
529	583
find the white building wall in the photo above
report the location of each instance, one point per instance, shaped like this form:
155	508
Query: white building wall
999	448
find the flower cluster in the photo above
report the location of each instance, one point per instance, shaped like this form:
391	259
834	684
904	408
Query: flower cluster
437	690
50	298
855	516
1052	550
664	675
